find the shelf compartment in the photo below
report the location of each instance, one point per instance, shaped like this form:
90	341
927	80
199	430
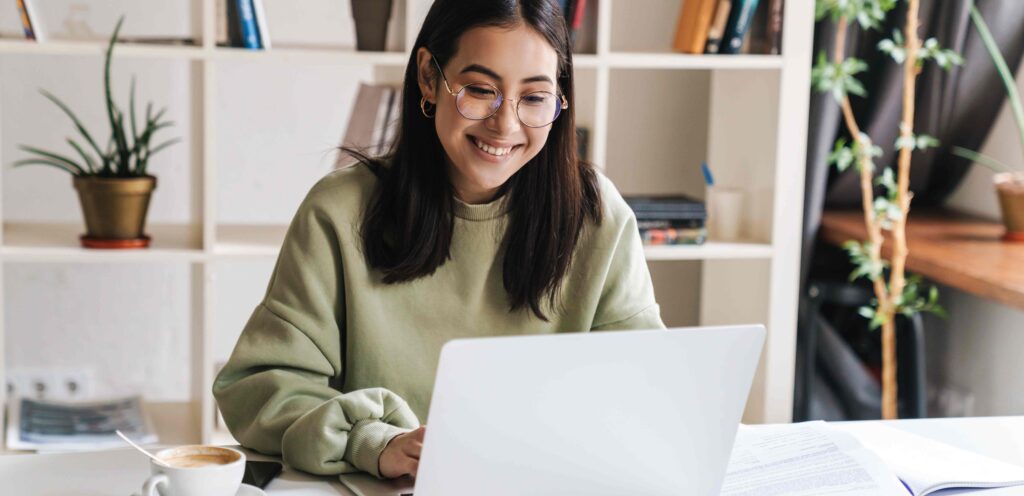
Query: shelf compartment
41	242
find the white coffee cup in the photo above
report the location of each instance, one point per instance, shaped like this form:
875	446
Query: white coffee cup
196	470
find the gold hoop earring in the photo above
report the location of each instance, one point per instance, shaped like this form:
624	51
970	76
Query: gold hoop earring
423	108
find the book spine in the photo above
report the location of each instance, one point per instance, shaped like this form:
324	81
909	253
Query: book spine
34	24
247	22
775	27
234	24
261	23
221	37
714	40
26	22
693	26
655	237
666	224
739	23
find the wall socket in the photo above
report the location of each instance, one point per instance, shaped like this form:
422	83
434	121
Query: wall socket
50	383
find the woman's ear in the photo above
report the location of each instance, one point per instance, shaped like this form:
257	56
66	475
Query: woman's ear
426	74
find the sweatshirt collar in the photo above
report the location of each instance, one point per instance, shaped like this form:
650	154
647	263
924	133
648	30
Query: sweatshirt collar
483	211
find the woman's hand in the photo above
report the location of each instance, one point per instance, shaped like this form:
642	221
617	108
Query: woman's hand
402	454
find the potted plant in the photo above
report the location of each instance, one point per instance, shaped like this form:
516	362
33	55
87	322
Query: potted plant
113	183
1009	183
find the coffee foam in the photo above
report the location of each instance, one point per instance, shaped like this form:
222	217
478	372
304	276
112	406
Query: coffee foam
198	456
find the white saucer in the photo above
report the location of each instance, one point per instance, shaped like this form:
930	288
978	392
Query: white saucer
243	490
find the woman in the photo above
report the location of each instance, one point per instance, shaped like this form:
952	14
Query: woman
482	221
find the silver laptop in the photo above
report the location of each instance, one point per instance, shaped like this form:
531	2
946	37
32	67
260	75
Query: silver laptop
609	413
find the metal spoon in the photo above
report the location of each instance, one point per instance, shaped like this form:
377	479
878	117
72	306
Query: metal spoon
140	448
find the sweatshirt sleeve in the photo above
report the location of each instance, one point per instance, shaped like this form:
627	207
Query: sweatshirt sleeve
627	298
274	391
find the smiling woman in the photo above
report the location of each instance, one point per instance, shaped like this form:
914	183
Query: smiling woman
480	221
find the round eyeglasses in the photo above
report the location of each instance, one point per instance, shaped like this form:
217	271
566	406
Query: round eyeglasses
479	101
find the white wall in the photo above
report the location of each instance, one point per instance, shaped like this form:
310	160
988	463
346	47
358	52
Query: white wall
978	350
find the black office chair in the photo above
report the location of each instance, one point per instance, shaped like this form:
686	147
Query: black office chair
835	384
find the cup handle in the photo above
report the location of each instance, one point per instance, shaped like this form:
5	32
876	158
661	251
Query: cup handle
149	488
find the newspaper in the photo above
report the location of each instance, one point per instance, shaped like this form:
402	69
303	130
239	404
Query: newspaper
45	425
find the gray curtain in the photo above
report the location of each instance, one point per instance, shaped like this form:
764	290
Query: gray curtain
958	107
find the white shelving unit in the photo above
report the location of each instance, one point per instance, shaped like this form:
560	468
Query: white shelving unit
756	125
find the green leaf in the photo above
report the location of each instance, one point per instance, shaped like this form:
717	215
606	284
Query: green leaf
74	119
1007	77
85	156
55	157
51	163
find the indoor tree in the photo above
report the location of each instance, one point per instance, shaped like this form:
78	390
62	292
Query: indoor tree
895	292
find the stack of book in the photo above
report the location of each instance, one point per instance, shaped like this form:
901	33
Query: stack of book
669	220
723	26
373	124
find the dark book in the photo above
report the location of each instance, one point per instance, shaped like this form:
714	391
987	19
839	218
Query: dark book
670	223
717	27
247	23
740	18
774	34
234	25
676	203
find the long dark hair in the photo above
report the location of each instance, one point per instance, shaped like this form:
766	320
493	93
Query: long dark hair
407	228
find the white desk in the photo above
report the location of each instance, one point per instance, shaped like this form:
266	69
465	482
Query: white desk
121	472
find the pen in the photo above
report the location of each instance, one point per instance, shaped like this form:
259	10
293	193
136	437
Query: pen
708	178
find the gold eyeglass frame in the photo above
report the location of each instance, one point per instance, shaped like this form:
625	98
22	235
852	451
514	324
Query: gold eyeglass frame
501	96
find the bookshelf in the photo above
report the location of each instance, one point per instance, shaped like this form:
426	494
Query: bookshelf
749	119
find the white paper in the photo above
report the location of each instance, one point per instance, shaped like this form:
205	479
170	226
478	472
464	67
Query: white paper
809	458
927	466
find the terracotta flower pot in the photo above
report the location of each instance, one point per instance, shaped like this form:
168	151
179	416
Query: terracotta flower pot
371	18
1010	188
115	210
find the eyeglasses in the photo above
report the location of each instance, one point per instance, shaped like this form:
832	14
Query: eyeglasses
479	101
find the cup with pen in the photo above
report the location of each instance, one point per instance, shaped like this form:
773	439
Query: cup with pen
724	206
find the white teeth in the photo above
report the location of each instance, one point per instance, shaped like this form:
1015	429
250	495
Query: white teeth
498	152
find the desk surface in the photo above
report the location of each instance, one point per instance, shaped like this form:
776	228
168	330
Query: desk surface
121	472
956	250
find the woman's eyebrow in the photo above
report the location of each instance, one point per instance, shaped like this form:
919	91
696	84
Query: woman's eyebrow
487	72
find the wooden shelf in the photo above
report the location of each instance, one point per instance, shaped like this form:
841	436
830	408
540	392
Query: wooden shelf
97	48
952	249
32	242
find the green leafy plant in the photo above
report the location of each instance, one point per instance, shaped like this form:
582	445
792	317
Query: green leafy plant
127	152
888	210
1011	93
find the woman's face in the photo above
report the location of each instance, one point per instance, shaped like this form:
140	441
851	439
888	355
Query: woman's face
483	154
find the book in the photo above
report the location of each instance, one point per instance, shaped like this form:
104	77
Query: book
221	21
373	121
855	458
740	17
714	40
261	23
773	33
247	25
47	425
30	23
577	8
693	25
673	236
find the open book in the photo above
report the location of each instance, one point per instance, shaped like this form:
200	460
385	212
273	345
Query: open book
858	458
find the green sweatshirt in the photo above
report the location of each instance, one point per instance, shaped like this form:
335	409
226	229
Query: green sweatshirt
334	363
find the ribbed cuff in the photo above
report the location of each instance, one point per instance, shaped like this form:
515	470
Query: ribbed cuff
366	441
